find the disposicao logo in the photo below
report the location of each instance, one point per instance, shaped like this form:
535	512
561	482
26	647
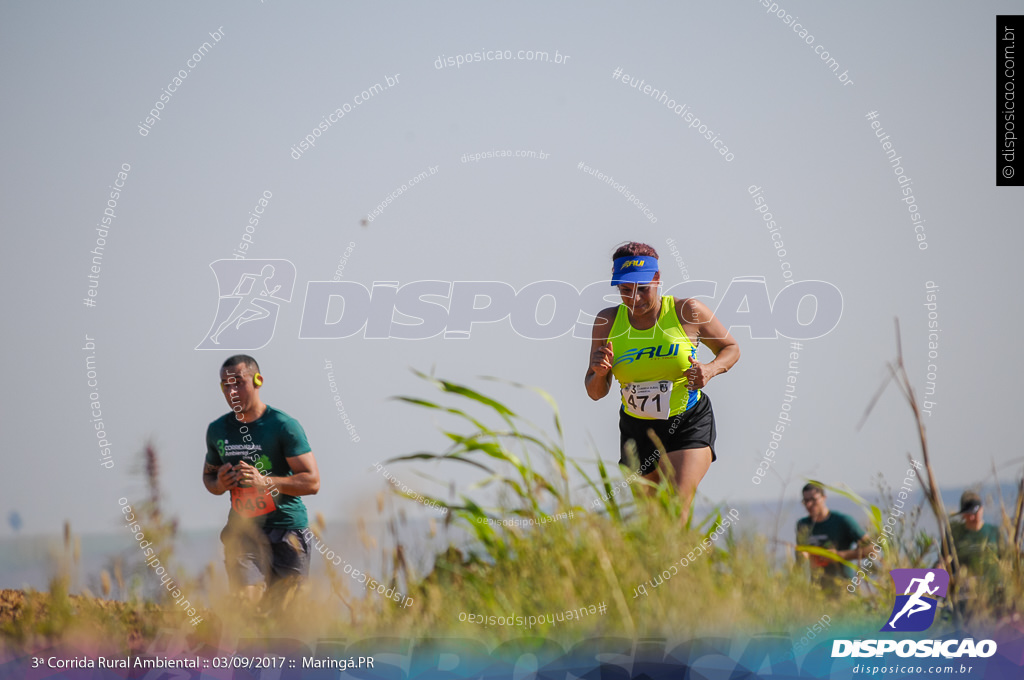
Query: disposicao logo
251	293
914	611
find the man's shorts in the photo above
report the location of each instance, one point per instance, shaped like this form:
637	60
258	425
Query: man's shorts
693	429
255	555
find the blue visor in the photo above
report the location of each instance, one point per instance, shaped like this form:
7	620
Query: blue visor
634	269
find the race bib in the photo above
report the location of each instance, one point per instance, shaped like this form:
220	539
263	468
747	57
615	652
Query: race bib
250	501
648	399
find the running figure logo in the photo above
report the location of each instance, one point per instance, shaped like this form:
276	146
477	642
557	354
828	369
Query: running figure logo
914	610
250	296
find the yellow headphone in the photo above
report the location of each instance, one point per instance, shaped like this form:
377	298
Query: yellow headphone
257	379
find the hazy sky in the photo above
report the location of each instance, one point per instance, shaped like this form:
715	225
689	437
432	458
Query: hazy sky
79	80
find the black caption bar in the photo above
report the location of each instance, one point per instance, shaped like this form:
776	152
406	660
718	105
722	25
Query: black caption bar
1008	165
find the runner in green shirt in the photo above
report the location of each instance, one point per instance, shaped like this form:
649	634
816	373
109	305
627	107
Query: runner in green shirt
833	531
260	455
978	545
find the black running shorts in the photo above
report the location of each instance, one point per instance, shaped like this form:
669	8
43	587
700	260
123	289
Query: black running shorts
255	554
693	429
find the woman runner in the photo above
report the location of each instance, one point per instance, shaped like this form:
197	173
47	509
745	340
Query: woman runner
649	343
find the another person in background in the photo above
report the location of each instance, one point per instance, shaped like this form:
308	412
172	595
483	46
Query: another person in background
260	455
833	531
978	545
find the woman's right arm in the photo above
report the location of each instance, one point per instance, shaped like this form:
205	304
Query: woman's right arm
599	374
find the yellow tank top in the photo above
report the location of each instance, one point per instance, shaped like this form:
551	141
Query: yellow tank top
660	353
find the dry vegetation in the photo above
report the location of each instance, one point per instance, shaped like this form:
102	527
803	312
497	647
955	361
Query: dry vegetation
594	557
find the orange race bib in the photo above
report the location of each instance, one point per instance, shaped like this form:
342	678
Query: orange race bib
249	501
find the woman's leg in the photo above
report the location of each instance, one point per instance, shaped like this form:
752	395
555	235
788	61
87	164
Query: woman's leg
689	467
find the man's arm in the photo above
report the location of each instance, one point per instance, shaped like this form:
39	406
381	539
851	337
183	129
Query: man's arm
219	478
1002	546
304	480
861	550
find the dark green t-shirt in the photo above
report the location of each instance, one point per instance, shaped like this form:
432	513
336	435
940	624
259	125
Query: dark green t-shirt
838	531
266	444
976	550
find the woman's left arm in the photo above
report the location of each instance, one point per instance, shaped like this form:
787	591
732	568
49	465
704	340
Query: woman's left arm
701	324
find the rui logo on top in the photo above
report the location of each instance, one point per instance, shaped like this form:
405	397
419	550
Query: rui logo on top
915	609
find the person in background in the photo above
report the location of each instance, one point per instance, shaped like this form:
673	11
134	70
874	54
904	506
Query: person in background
833	531
978	545
261	456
